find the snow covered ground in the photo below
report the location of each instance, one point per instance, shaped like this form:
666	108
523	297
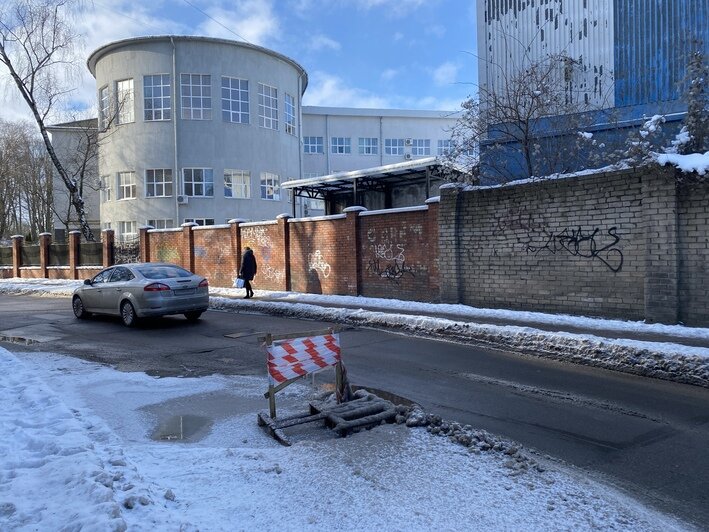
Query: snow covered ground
77	453
666	359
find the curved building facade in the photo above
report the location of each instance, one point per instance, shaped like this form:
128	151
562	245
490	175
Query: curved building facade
195	129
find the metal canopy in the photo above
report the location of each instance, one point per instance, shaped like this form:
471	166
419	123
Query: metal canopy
379	178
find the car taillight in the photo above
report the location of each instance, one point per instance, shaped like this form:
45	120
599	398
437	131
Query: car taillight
156	287
204	284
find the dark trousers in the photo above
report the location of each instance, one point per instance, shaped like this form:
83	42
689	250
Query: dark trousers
247	285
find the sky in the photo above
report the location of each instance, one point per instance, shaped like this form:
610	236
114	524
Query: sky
403	54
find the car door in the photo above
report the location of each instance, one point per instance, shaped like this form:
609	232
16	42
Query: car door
92	294
114	289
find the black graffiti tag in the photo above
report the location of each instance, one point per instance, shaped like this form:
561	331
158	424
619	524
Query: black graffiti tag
580	244
393	271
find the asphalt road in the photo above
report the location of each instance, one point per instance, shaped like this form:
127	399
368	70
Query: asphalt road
650	437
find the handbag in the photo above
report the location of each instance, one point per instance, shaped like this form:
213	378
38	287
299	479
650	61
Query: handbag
239	282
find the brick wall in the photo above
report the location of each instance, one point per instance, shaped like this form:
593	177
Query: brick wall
165	246
213	255
693	230
266	239
399	254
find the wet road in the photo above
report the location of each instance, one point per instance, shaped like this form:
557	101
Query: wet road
649	436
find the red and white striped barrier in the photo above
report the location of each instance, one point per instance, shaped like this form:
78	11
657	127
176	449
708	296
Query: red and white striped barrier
296	357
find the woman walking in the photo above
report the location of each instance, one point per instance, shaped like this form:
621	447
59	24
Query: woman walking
248	271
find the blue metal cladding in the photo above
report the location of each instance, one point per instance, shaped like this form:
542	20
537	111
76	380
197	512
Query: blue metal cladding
653	41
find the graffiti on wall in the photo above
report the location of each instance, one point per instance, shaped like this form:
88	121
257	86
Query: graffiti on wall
387	259
257	235
580	243
273	274
167	253
318	263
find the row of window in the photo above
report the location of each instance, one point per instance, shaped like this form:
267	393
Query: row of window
197	182
195	101
370	146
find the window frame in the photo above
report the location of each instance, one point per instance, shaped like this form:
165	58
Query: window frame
289	114
275	184
104	106
130	186
341	145
228	115
164	112
203	112
420	147
157	184
202	222
124	116
270	121
166	223
368	146
310	147
394	146
445	147
244	186
206	184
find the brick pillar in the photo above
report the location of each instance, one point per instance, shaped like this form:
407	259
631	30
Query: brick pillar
235	234
44	240
187	248
661	246
353	269
449	267
144	242
17	241
431	229
108	237
284	230
74	239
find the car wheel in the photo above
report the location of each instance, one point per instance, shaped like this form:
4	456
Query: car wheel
193	315
79	311
128	314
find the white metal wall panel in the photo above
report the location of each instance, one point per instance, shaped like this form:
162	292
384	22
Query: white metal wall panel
512	34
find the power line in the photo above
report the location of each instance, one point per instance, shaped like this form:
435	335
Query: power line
215	20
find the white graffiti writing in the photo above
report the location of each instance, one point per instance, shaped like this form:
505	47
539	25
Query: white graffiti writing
272	274
386	252
256	235
317	262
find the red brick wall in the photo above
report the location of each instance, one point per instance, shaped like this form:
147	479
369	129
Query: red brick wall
399	254
320	253
165	246
266	239
214	258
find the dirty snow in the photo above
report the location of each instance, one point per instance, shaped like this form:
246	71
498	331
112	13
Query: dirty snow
77	454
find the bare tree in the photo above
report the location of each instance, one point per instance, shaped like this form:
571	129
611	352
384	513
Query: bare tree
697	97
36	47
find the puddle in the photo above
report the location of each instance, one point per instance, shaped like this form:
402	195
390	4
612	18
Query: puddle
182	428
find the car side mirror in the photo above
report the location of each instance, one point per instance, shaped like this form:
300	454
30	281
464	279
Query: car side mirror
87	281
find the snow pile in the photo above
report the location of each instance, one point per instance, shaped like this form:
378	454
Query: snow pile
693	162
76	455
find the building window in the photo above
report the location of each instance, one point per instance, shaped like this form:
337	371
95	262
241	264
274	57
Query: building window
289	112
125	101
196	93
368	146
198	182
394	146
126	185
444	147
200	221
156	97
421	147
237	184
235	100
270	186
267	106
103	107
158	183
105	189
340	145
127	231
312	145
161	224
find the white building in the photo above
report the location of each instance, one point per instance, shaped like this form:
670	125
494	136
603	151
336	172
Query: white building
206	130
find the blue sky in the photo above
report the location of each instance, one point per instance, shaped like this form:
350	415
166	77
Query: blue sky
405	54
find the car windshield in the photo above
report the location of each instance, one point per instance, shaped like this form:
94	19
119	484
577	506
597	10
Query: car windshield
163	272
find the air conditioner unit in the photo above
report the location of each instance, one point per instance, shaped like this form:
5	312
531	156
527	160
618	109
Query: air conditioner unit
409	142
182	199
407	156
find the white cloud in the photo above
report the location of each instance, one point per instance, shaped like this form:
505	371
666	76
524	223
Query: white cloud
252	20
389	74
398	36
446	73
393	7
327	90
323	42
436	30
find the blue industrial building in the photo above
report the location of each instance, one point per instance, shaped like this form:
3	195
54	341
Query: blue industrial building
623	61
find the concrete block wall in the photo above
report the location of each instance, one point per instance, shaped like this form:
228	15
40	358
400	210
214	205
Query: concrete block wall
693	236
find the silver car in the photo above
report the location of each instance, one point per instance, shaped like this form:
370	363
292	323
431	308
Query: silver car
134	291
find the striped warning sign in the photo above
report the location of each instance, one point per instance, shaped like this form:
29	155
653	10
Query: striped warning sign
296	357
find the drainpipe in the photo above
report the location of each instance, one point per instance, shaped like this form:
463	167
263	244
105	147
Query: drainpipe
326	143
381	141
175	101
300	138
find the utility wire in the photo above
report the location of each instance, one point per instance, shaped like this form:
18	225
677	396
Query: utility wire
215	20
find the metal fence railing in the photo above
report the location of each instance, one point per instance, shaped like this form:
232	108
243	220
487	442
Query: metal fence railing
126	251
6	256
90	254
30	256
58	255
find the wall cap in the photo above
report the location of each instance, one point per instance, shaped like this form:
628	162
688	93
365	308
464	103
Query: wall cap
45	234
355	208
434	199
146	226
16	237
189	224
237	221
283	215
